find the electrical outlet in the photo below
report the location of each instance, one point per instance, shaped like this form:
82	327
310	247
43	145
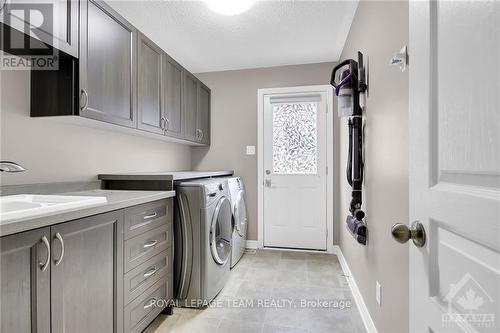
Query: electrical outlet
377	292
250	150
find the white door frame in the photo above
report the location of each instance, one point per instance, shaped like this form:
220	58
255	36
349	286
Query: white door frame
328	90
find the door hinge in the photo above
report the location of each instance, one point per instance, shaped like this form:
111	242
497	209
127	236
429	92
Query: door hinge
327	170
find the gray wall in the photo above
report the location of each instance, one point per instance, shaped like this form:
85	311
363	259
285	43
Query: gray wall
55	151
379	30
234	120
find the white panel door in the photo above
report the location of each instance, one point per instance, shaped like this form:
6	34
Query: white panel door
295	170
455	165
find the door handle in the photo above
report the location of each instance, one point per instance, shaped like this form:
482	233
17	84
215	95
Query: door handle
44	265
60	239
416	232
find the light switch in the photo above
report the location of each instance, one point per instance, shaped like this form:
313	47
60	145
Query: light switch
250	150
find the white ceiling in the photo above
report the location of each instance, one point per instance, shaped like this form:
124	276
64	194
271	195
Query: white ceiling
271	33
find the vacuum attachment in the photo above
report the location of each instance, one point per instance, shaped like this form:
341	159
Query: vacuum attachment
357	229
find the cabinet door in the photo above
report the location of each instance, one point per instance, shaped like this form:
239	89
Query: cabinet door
173	97
190	106
107	65
54	22
204	113
149	92
87	274
25	282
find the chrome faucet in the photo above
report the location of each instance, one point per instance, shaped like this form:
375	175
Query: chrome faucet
6	166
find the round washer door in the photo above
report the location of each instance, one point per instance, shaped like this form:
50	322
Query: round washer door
240	214
220	232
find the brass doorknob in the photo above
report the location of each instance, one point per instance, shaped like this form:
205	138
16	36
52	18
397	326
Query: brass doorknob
401	233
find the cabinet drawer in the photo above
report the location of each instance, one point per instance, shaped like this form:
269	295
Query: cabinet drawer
139	219
140	312
142	247
146	274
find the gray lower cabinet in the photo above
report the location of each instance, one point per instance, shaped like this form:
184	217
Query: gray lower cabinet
150	84
173	97
190	104
203	114
25	282
86	285
148	263
142	311
103	273
59	27
64	278
107	65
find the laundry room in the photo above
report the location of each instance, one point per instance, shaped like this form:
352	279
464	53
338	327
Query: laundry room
249	166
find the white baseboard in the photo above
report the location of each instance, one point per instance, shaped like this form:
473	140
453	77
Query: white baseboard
252	244
363	310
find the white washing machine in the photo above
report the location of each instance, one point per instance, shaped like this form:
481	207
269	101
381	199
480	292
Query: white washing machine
202	240
240	219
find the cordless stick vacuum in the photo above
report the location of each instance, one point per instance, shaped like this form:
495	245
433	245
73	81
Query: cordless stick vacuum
350	90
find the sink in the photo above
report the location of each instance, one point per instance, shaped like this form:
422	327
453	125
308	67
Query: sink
15	207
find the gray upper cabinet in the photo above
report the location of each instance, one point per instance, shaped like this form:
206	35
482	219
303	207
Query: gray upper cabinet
25	282
107	65
86	268
203	113
60	22
173	97
190	103
150	84
123	77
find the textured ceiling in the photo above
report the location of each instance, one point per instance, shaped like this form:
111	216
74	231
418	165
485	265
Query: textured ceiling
271	33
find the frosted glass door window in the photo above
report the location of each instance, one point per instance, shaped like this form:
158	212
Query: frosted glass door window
295	138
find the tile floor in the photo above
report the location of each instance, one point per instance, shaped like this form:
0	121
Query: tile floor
267	292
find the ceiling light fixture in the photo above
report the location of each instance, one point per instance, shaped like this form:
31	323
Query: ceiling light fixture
229	7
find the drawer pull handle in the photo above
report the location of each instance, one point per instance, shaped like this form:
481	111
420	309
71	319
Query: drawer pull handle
150	303
150	244
147	217
151	272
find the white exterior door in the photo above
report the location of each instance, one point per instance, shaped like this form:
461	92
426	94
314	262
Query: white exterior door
455	165
294	163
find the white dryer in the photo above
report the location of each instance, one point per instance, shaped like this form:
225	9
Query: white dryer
240	219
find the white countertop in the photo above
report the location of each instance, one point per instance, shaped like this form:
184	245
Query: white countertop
116	199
